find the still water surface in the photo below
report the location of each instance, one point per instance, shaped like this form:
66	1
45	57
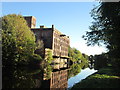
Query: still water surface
82	75
57	76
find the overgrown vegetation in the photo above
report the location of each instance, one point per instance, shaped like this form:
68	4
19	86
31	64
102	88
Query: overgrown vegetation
76	56
48	56
18	41
18	46
79	60
104	30
104	78
47	67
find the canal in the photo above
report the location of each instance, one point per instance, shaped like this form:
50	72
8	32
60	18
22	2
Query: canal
48	76
81	75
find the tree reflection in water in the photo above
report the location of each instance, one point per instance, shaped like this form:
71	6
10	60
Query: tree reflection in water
76	68
26	77
49	76
14	77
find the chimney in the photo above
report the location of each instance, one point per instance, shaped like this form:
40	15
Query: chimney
52	26
43	26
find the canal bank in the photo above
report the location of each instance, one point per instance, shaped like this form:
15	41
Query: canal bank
103	78
80	76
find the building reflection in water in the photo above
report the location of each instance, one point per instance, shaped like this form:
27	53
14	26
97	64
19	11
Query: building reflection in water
58	77
48	77
35	78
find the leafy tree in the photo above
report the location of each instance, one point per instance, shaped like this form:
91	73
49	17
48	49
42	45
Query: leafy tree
70	53
34	61
18	41
91	61
76	55
106	29
48	72
39	48
47	61
80	61
101	61
48	56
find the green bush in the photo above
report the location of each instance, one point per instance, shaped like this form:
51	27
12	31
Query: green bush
18	41
35	60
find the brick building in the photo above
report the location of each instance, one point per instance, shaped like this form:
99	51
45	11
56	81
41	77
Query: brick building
52	39
31	21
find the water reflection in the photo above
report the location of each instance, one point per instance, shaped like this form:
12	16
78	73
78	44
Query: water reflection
46	76
76	68
14	77
55	76
58	80
25	77
82	75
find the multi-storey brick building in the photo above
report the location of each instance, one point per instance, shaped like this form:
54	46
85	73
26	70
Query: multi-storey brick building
52	38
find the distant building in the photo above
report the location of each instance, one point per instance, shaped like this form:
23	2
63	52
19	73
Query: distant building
52	39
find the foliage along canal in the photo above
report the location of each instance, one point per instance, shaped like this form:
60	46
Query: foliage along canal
46	76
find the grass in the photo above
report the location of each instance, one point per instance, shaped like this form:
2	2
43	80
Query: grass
104	78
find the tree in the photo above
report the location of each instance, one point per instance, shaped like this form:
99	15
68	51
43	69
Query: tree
101	61
77	57
74	54
91	61
18	41
40	48
106	29
48	56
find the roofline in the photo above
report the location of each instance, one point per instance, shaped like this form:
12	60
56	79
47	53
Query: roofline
29	16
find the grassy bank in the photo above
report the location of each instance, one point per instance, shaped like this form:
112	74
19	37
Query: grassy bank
104	78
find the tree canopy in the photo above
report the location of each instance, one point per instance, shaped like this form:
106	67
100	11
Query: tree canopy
76	56
18	41
106	29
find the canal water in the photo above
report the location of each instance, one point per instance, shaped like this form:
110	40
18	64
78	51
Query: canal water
48	76
82	75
